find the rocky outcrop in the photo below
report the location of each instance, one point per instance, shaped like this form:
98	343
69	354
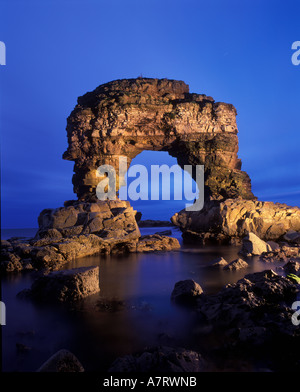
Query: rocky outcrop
253	316
160	359
81	229
223	220
124	117
112	220
65	286
186	291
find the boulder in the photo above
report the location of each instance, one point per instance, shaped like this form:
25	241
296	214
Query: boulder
62	361
253	245
220	262
66	286
156	242
160	359
292	237
186	291
236	265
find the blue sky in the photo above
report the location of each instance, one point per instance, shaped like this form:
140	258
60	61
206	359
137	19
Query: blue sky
236	51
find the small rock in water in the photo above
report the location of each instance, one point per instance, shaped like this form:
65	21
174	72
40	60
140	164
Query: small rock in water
236	265
186	291
219	262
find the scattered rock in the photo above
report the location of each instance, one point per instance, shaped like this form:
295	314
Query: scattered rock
160	359
236	265
62	362
252	245
186	291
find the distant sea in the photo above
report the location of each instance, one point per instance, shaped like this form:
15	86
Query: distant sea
26	232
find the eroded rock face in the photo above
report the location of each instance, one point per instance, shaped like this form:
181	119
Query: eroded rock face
223	220
125	117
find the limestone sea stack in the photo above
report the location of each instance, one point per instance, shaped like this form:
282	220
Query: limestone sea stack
125	117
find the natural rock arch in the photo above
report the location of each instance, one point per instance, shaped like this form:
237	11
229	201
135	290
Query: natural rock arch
125	117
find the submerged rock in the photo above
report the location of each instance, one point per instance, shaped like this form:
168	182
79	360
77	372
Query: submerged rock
62	362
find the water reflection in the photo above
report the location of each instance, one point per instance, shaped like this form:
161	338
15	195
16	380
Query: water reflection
132	310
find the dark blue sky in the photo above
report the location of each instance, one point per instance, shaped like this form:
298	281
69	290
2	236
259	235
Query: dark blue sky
236	51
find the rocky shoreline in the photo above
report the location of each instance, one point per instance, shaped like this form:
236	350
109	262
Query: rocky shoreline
250	319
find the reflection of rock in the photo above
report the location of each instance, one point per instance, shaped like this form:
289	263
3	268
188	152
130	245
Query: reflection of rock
63	361
186	291
160	359
252	245
222	220
66	286
236	265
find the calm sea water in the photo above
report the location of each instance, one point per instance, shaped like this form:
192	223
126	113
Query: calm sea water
132	310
